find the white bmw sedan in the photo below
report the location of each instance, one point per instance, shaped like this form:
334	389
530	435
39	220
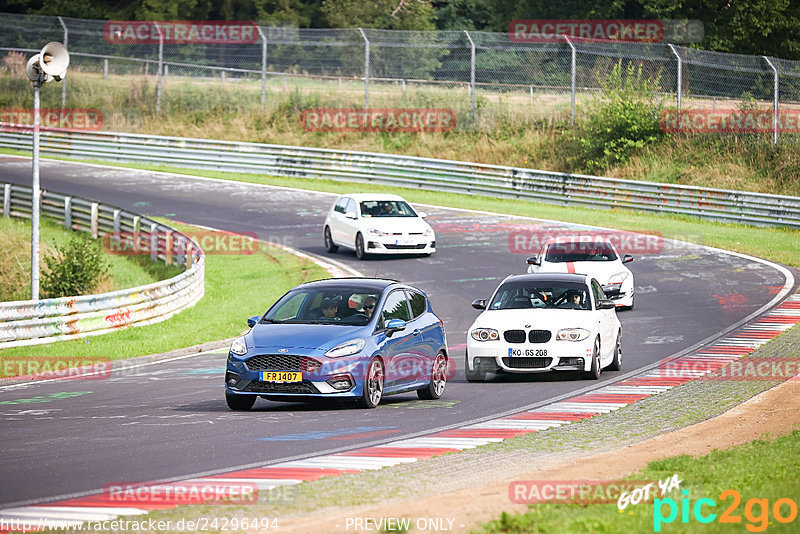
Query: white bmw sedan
536	323
596	257
377	224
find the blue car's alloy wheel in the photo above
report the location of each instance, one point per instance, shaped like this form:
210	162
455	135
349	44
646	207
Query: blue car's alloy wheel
373	385
435	389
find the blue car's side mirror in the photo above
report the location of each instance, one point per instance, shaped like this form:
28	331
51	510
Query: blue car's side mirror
395	325
252	321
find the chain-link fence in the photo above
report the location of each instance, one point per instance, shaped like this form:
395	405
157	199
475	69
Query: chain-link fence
479	75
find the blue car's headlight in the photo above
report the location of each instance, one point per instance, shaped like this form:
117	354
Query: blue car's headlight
238	347
346	349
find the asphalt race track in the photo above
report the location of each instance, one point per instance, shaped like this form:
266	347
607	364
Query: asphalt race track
169	419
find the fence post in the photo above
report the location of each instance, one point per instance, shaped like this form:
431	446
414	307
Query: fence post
775	102
166	73
105	68
263	67
64	80
471	74
93	219
160	63
366	68
68	213
572	82
7	200
153	242
680	73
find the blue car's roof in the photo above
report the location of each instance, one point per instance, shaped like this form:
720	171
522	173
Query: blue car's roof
366	283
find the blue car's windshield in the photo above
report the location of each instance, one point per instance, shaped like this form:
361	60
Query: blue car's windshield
331	305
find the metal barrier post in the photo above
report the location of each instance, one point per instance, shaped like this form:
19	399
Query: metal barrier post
105	68
160	63
68	213
680	73
471	73
153	242
775	102
64	81
366	69
7	200
93	221
572	82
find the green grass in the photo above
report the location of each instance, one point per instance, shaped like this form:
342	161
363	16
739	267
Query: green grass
236	287
762	469
15	241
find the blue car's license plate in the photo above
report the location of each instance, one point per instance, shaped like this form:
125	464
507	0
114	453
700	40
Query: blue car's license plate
281	376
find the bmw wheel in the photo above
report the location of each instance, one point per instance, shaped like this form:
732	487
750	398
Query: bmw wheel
616	363
240	403
373	385
329	244
594	372
435	387
360	253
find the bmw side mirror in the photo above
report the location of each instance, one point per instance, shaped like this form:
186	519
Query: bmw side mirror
606	304
534	260
479	304
350	215
252	321
627	258
394	325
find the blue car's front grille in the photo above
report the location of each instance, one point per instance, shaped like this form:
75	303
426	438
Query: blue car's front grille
298	388
281	362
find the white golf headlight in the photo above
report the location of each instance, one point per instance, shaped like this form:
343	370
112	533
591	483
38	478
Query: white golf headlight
375	231
618	278
428	231
346	349
485	334
238	346
572	334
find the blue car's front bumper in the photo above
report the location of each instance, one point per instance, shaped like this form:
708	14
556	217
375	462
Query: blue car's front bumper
321	376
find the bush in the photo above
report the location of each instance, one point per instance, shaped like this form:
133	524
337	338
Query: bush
622	119
74	269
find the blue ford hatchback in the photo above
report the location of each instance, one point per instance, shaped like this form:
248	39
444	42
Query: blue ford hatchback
357	338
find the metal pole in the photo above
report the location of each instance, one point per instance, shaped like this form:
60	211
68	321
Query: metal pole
105	68
64	81
35	194
263	67
160	62
471	73
572	83
680	73
366	69
774	102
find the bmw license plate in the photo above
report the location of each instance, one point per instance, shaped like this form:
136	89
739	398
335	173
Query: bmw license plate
281	376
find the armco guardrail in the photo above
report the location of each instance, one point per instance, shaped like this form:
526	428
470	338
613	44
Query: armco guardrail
32	322
423	173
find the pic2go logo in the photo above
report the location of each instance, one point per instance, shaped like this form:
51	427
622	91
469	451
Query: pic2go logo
756	511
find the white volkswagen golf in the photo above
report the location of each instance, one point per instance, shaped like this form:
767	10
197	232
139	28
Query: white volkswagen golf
377	224
536	323
594	256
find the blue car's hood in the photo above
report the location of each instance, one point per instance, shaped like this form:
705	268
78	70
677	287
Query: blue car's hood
270	337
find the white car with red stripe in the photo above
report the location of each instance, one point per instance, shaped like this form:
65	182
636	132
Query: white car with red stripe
590	255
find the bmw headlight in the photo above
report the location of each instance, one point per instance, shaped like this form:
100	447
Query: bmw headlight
238	346
375	231
485	334
346	349
572	334
617	278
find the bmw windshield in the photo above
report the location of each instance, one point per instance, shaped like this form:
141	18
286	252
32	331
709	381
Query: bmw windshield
352	306
522	295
